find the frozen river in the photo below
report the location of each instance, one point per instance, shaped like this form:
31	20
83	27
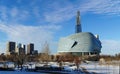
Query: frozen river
19	72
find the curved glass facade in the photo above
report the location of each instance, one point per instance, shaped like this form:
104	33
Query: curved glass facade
83	43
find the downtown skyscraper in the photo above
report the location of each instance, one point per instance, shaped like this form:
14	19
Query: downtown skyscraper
30	48
10	47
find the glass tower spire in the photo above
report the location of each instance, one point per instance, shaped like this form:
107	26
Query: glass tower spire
78	24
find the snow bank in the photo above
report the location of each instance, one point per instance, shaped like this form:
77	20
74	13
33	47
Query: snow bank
101	69
18	72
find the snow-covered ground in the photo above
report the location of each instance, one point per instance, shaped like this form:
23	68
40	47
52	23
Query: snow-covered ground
101	69
92	67
19	72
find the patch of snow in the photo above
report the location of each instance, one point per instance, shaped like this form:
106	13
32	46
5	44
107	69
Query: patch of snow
19	72
101	69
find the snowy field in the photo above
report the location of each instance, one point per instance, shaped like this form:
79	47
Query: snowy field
101	69
92	68
19	72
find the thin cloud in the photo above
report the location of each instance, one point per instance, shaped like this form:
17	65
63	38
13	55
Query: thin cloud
3	12
57	11
65	12
110	47
14	12
108	7
27	34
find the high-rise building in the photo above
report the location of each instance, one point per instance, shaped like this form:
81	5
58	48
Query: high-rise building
20	49
10	48
30	48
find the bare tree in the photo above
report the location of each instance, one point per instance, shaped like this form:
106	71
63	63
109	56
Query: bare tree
2	57
19	60
77	62
45	53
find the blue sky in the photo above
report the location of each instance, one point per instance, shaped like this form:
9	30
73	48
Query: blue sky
38	21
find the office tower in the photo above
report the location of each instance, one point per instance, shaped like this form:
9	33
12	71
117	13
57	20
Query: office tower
10	48
30	48
20	49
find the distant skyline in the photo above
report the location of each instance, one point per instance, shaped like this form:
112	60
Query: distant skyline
38	21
